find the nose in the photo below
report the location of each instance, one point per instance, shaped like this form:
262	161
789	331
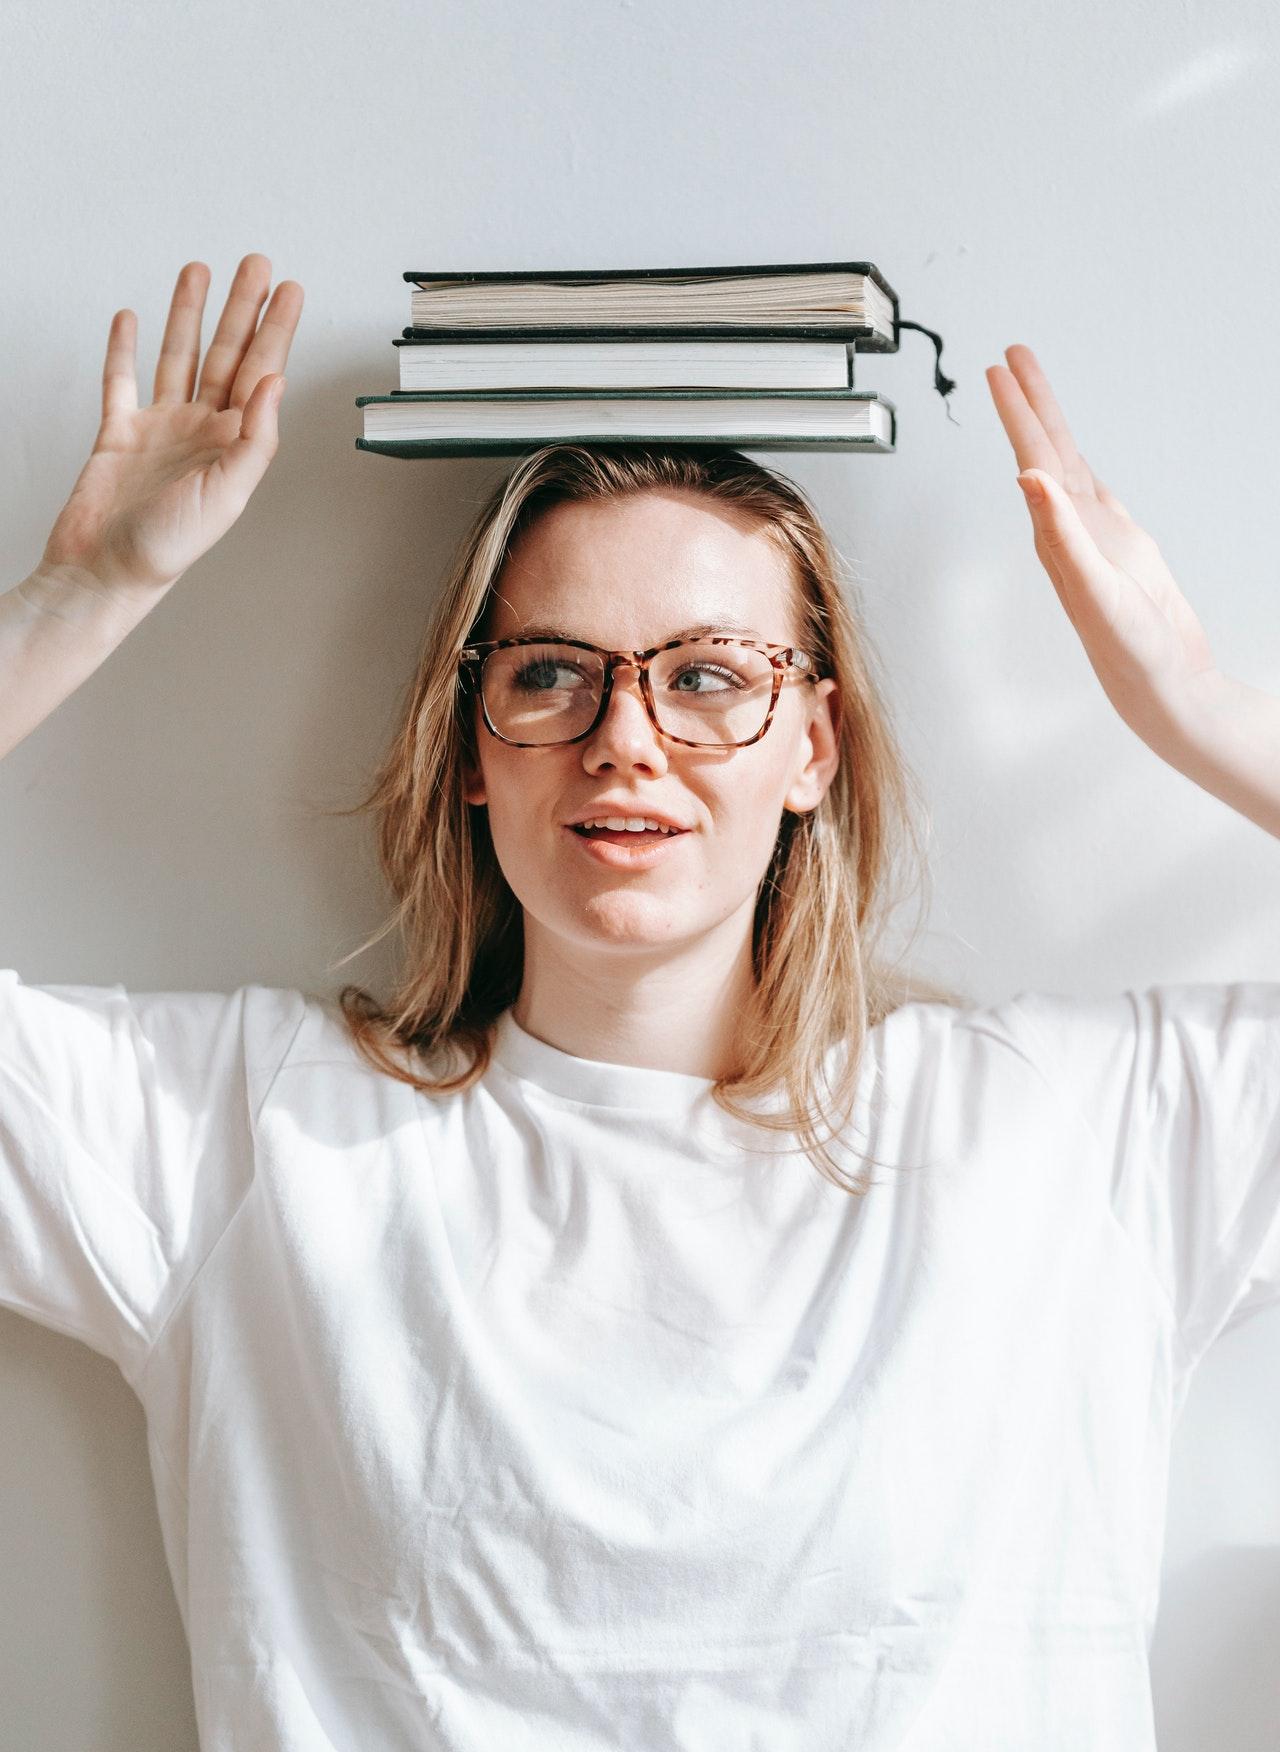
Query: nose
626	736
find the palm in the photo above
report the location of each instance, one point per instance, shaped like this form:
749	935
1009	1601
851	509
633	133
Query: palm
164	482
1135	557
148	501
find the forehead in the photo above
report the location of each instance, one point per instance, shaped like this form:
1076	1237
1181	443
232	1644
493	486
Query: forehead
632	572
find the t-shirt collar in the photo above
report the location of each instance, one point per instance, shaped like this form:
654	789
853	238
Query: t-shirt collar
592	1081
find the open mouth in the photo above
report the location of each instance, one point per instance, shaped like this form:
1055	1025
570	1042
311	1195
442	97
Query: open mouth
629	836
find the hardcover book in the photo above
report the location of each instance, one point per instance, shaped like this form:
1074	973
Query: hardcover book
602	361
449	423
849	301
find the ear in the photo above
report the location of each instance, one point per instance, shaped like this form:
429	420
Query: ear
473	790
818	756
473	787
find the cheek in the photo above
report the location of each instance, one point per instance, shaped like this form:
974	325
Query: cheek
520	791
507	790
749	810
513	831
754	833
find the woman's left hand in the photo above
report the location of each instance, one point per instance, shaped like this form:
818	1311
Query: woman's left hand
1140	634
1139	631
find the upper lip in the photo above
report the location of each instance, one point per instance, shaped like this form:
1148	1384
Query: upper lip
641	811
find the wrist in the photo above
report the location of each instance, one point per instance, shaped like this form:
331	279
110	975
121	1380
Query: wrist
78	597
1230	745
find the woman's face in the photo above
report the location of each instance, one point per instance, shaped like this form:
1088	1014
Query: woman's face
626	574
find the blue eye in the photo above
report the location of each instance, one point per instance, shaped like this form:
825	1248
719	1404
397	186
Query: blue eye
698	670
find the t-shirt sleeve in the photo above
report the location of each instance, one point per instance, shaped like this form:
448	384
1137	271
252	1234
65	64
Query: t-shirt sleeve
1180	1086
126	1147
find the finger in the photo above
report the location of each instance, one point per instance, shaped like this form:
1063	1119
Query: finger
180	346
1106	497
119	385
235	330
1072	556
269	349
1031	443
1044	406
244	462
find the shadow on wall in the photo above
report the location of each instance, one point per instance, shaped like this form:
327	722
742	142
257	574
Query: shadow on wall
1226	1605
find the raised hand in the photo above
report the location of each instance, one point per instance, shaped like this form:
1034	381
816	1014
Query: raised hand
1139	632
164	482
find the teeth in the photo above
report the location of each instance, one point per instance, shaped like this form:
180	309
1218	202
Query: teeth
629	824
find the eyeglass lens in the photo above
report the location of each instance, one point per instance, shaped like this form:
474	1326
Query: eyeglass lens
702	692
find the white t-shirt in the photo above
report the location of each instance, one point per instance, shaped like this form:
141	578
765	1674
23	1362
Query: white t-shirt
543	1418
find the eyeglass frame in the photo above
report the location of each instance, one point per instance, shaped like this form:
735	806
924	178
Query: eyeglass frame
785	660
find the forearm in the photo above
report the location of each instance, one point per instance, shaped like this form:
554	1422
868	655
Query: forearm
56	628
1229	744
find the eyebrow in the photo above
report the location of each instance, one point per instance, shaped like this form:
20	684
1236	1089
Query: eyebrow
704	627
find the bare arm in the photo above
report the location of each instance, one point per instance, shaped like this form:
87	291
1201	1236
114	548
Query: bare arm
162	484
54	632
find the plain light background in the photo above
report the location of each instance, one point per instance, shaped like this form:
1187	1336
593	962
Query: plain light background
1093	181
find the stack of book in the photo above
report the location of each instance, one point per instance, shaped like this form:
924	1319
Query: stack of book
759	358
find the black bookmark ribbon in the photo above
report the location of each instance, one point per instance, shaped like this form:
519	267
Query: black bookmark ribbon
943	384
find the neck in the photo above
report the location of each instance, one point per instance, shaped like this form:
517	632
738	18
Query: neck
673	1009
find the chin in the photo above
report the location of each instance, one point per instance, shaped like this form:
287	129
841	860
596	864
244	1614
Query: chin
627	917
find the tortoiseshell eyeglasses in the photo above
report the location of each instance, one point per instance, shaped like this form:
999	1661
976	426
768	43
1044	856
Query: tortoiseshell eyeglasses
717	691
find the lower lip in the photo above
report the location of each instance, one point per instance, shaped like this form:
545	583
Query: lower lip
632	851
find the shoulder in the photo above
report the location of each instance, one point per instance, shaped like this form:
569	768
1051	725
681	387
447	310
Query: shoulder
1130	1032
312	1074
1140	1051
948	1035
1029	1053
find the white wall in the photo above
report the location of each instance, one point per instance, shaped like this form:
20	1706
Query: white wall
1093	180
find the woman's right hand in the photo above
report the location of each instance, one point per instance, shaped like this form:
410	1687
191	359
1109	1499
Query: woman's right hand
164	482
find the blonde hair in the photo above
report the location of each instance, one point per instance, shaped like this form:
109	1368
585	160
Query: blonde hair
823	903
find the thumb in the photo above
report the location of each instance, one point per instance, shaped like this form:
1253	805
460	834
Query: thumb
1083	578
1057	522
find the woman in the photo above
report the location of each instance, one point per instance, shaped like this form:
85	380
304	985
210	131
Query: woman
531	1361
